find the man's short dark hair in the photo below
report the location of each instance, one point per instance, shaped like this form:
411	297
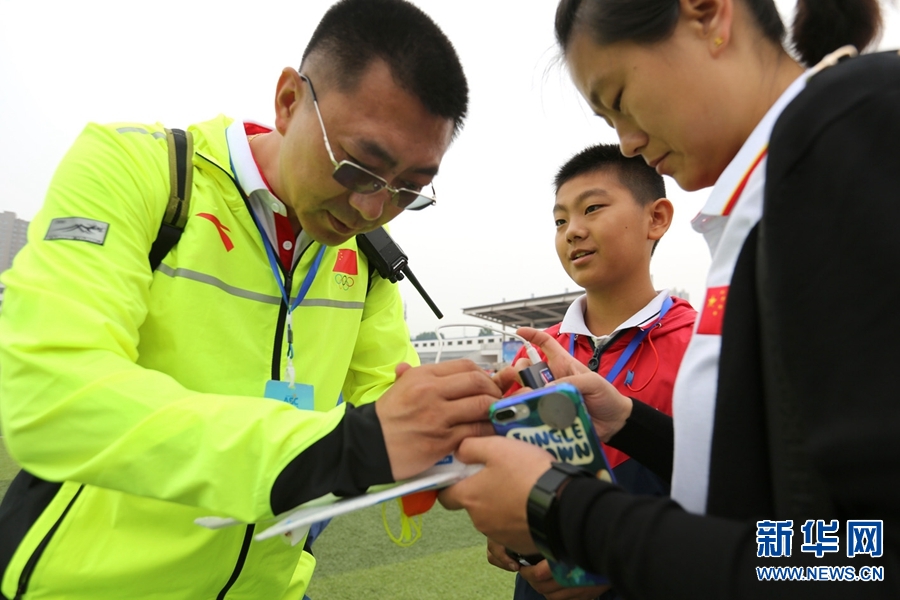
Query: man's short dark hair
644	183
353	33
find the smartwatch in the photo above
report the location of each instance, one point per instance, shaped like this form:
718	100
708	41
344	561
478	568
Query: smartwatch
543	507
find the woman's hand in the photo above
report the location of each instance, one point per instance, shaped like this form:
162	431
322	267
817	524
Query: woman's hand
497	556
541	579
497	496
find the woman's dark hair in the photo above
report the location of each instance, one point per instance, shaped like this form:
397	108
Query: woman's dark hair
820	26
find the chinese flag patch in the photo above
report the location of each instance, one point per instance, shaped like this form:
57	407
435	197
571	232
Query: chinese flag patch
713	311
346	262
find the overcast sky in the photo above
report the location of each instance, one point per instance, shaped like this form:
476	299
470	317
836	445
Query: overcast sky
65	63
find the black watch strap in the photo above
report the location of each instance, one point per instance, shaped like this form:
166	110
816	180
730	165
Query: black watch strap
543	507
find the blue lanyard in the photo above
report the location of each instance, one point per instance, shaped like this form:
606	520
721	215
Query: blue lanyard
301	294
632	345
307	281
273	263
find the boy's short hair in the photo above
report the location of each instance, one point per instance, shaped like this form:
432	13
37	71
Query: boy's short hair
644	183
422	60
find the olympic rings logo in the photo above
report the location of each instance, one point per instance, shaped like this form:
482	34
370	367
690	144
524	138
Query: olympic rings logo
345	282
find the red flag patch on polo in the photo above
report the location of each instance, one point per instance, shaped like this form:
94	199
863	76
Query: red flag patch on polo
713	311
345	262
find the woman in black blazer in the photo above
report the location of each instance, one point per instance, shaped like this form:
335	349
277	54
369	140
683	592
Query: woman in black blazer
787	407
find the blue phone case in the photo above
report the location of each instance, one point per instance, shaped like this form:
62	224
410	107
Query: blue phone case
554	418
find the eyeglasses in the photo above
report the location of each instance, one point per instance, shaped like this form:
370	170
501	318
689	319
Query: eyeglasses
362	181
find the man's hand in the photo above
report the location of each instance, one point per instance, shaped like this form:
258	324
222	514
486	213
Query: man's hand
541	579
496	496
608	408
430	409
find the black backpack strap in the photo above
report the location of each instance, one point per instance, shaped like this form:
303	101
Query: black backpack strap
181	151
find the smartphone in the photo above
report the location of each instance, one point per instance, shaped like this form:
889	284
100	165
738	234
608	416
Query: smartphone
554	418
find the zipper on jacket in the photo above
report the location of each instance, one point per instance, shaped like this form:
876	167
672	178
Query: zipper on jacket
282	315
276	369
279	329
276	376
28	570
239	565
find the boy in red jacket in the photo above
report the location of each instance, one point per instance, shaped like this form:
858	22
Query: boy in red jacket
610	214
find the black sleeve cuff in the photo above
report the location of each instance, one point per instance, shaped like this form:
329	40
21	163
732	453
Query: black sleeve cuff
648	437
345	462
651	548
575	504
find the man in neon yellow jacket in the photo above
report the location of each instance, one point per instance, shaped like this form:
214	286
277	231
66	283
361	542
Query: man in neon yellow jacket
139	400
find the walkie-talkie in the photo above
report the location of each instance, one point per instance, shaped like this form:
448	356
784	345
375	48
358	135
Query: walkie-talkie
390	262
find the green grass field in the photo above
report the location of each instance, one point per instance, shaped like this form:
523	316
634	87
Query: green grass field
356	559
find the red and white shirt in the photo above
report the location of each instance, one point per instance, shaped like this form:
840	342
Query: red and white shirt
269	210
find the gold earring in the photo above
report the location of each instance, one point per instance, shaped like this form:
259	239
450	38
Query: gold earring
718	41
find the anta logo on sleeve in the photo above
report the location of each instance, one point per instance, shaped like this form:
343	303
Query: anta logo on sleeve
222	229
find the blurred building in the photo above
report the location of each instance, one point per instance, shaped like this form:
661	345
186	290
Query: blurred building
13	232
486	351
539	313
495	351
13	235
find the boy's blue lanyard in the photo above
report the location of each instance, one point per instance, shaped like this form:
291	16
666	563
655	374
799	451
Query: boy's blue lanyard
301	294
632	345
